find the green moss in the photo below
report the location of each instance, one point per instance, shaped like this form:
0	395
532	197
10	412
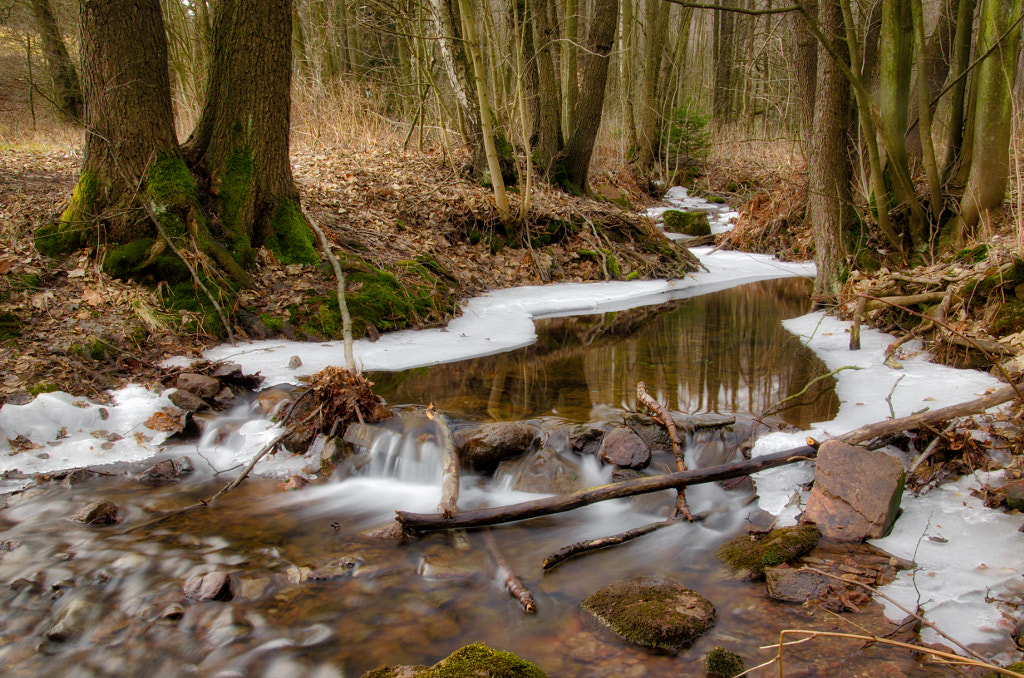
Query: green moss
235	179
972	255
613	264
291	238
123	260
633	275
722	663
1016	667
1009	319
652	611
170	183
479	661
751	555
688	223
42	387
74	230
10	326
271	323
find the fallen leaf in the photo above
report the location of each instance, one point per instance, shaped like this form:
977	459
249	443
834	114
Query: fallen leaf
162	421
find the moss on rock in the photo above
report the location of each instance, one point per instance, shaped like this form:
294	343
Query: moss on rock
722	663
472	661
10	326
655	612
751	555
688	223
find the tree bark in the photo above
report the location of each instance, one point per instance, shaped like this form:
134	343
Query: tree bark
67	88
828	176
993	106
241	140
656	25
724	38
548	143
958	95
587	113
806	67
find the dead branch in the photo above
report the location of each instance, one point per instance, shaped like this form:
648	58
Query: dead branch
663	415
346	319
449	462
511	580
581	547
425	522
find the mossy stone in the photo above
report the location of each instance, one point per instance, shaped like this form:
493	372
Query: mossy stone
472	661
722	663
693	224
655	612
1008	320
750	555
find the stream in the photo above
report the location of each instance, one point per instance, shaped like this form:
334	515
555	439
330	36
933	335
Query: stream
314	596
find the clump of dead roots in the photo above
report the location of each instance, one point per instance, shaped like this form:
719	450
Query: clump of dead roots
335	398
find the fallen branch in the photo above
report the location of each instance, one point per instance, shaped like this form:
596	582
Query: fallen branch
665	417
511	580
550	505
449	462
580	547
346	319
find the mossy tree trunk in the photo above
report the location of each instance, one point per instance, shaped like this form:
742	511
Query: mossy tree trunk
240	144
128	122
67	88
993	109
587	113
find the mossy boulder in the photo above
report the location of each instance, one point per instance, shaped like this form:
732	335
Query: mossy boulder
655	612
472	661
750	555
688	223
722	663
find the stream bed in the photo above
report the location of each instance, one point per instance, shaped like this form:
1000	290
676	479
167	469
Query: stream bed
314	596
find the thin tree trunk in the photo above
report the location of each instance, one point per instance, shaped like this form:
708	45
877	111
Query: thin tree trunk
656	29
924	111
67	89
958	95
549	129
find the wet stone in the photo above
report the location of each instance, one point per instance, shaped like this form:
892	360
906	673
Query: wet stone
224	399
97	513
483	447
545	472
795	585
198	384
166	471
1014	494
750	555
274	401
655	612
187	401
585	439
625	449
209	586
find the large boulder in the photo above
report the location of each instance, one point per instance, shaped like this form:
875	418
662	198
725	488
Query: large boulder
484	446
688	223
625	449
856	492
655	612
476	660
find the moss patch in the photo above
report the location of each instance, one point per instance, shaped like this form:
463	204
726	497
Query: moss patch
751	555
688	223
169	182
74	230
654	612
290	237
1009	319
472	661
722	663
10	326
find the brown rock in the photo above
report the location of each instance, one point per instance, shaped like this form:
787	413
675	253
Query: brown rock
187	400
1014	494
166	471
209	586
624	448
97	513
482	447
795	585
273	401
546	472
224	399
585	439
198	384
856	493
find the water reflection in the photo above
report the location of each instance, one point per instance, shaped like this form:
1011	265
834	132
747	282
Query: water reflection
724	352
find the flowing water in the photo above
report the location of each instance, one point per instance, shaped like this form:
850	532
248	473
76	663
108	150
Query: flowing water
314	596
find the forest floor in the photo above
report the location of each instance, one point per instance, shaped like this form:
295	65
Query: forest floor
68	326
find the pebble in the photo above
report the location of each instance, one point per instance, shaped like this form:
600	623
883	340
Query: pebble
209	586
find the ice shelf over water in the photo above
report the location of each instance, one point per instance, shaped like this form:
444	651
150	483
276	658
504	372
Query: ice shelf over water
981	550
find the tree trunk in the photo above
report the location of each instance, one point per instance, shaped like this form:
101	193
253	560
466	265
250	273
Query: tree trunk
937	59
806	67
548	143
725	29
241	140
568	64
990	156
828	192
67	90
656	29
587	112
128	122
957	96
